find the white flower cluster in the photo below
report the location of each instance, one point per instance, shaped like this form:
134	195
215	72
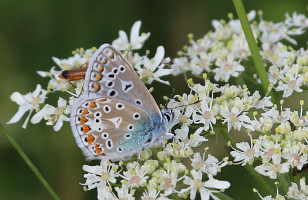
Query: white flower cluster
278	137
149	69
223	52
294	192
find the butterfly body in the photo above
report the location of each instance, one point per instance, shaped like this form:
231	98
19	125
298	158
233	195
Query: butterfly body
116	116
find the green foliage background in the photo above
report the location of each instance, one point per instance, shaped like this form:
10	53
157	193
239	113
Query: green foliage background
33	31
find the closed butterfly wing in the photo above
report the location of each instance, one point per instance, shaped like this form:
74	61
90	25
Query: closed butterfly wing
116	115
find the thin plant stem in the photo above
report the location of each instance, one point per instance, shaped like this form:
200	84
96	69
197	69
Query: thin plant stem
223	196
256	57
29	163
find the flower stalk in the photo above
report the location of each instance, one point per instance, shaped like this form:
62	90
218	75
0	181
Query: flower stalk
29	163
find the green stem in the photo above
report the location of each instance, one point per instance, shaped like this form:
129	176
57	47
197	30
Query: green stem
29	163
256	57
284	182
173	196
223	196
227	137
261	182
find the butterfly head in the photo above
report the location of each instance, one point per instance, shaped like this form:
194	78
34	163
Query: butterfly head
167	115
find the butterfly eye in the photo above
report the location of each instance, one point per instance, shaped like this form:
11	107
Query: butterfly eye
168	116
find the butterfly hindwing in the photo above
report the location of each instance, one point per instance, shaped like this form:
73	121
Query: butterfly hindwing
108	127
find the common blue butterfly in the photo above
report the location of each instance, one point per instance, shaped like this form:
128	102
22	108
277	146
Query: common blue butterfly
116	116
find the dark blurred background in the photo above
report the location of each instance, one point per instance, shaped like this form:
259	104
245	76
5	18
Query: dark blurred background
33	31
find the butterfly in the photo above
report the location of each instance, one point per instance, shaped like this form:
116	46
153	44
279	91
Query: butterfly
116	116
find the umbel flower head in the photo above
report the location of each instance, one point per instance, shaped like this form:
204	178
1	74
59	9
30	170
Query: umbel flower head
275	138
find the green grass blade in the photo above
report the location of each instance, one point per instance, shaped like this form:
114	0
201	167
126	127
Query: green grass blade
29	163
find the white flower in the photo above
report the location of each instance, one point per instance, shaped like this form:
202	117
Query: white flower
206	188
105	172
136	40
125	193
134	177
235	118
290	83
28	102
210	166
246	153
152	69
196	139
273	169
261	103
293	153
181	133
178	149
296	193
276	116
227	68
180	65
206	115
55	116
104	192
150	194
298	20
79	59
269	197
168	180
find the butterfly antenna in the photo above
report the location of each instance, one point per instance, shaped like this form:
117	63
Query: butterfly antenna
168	100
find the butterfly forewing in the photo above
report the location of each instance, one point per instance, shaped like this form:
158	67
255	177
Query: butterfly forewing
110	75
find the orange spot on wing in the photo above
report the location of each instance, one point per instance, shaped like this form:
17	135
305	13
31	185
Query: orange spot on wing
98	77
104	61
102	100
92	104
98	150
86	129
96	87
83	120
85	111
90	139
100	69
